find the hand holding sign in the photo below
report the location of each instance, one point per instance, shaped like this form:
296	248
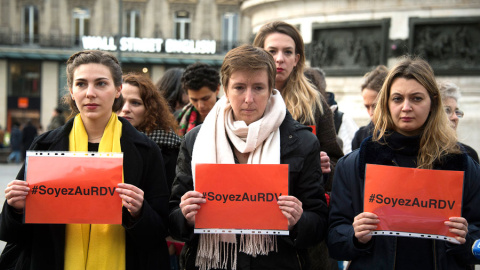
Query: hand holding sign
459	226
16	193
363	224
132	198
291	208
189	205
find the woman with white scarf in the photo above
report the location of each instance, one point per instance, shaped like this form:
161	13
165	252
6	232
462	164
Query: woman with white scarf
250	125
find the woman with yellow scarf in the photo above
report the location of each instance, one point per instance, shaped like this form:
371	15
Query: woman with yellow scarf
94	80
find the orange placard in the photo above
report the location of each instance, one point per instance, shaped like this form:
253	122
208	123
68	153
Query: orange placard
241	198
314	129
413	202
69	187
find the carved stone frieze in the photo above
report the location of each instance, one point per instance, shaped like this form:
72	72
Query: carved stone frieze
349	48
450	45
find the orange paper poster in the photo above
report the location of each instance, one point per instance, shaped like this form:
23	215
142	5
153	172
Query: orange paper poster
73	187
413	202
241	198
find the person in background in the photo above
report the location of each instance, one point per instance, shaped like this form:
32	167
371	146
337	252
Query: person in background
319	254
303	101
251	125
170	86
94	79
202	84
450	96
148	111
29	133
58	119
372	84
15	143
411	131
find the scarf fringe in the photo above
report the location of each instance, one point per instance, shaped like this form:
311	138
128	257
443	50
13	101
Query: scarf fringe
212	253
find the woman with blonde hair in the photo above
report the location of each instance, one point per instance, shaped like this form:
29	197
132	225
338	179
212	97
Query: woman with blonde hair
411	130
303	101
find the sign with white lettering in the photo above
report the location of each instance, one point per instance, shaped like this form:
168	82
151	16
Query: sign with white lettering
154	45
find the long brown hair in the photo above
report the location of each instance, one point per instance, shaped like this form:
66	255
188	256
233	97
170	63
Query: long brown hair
301	98
438	138
157	113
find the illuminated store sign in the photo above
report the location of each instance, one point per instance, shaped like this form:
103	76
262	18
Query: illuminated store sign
129	44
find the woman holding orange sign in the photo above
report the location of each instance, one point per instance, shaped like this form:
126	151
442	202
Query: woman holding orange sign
250	125
94	80
411	130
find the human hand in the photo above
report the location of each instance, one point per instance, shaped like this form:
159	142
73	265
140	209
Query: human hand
363	224
189	205
16	193
291	208
458	226
132	198
325	162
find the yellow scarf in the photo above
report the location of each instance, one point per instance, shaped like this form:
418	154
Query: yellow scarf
95	246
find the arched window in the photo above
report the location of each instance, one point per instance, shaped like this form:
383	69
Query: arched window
132	23
81	23
182	22
229	30
30	27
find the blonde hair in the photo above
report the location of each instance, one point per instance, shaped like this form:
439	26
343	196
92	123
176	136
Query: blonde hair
438	138
301	97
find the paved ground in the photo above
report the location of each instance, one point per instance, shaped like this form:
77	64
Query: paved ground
7	174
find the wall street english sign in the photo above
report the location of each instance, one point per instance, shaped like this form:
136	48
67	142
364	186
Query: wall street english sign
154	45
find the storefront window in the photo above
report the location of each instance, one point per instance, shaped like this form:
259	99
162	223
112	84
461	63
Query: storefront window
24	79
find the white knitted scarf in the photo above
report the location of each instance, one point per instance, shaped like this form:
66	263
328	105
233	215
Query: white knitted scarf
262	140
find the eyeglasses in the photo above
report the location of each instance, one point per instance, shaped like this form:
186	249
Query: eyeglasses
450	112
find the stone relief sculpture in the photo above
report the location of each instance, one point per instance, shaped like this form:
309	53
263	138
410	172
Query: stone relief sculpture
448	46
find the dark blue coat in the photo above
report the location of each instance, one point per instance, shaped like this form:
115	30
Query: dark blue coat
380	253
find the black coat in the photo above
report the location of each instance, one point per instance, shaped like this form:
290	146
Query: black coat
300	149
42	245
361	134
381	252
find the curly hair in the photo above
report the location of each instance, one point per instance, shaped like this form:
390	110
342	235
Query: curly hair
170	86
157	113
199	75
93	57
438	137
